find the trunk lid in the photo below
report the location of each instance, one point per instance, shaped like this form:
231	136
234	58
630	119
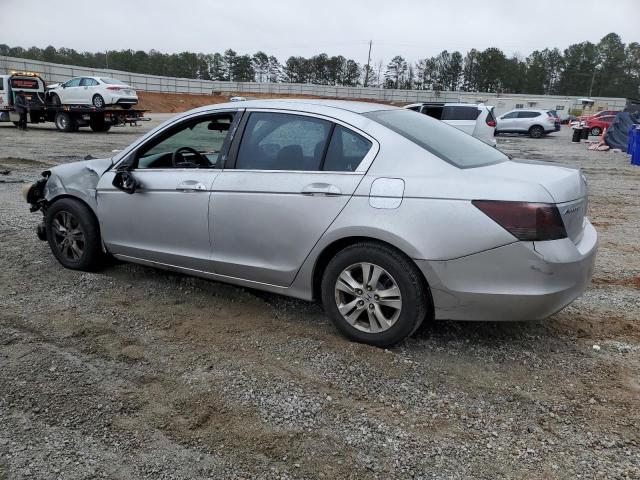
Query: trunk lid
566	186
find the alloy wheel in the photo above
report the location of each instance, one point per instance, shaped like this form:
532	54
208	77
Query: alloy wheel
368	297
68	235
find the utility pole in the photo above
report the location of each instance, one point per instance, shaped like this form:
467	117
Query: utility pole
367	70
593	77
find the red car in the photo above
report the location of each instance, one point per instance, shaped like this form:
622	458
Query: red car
596	125
603	113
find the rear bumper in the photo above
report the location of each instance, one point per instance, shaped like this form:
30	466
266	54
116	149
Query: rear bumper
125	100
519	281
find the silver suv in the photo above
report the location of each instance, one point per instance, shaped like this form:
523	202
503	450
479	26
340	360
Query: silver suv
535	123
475	119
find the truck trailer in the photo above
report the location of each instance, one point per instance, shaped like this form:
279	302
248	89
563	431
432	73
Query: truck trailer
66	118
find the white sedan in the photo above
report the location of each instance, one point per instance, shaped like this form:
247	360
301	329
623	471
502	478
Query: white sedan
96	91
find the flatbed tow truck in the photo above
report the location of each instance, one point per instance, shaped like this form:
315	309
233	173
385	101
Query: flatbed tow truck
66	118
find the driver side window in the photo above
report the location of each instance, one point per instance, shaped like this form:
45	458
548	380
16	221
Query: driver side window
74	82
197	143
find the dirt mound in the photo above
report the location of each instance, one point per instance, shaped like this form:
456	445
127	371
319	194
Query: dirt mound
175	102
181	102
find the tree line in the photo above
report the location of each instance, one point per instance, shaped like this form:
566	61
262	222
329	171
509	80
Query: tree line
608	68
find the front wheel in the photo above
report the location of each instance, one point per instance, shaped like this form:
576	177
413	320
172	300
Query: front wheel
536	132
374	294
54	99
74	235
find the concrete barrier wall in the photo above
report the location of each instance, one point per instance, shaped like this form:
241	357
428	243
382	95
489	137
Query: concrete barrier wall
55	73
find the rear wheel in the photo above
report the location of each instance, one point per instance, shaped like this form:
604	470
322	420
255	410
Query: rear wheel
595	131
74	235
374	294
65	122
98	124
98	101
536	131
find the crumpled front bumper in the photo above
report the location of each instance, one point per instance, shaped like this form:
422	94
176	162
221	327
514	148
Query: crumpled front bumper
519	281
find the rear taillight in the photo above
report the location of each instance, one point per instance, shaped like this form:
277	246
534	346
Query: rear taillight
525	221
491	123
114	88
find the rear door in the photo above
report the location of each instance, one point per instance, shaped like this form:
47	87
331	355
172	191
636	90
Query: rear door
463	117
288	179
88	87
525	120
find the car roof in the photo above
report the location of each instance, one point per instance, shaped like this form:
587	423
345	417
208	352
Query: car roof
310	105
445	104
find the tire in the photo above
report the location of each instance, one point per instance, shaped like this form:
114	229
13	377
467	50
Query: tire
82	248
65	122
97	101
54	99
596	131
536	131
98	124
401	320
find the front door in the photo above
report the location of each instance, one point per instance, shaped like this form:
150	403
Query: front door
166	219
290	177
70	94
508	121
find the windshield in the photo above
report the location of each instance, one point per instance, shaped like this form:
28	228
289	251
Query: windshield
111	81
447	142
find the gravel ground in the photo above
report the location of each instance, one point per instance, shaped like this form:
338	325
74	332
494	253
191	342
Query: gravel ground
140	373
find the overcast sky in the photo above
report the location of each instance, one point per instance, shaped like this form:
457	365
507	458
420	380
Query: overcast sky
412	28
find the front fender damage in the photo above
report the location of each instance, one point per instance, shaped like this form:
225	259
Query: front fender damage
34	194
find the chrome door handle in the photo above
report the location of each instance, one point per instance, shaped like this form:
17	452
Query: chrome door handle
320	189
191	186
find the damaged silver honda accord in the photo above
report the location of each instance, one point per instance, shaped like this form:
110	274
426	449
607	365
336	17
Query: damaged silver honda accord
387	216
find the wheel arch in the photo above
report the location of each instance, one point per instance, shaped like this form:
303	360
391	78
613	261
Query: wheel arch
331	249
62	196
51	201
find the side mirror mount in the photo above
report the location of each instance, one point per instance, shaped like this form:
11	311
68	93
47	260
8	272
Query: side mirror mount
125	181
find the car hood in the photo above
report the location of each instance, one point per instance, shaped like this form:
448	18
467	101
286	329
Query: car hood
563	183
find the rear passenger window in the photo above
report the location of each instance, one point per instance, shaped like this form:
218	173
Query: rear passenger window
528	114
346	150
460	113
281	141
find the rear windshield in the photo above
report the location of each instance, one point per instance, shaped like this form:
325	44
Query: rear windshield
111	81
447	142
457	112
490	116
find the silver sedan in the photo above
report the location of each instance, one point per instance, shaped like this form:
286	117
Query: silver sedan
386	216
